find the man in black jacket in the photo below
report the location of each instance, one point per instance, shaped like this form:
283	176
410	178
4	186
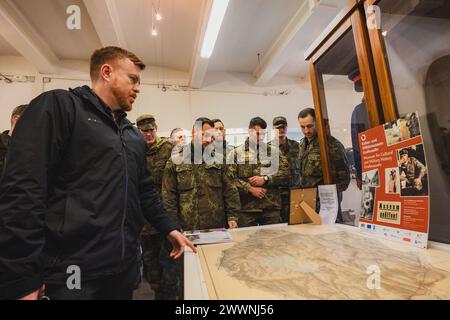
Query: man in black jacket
76	190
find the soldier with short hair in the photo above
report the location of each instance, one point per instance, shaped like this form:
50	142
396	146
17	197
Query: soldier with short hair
199	195
6	136
310	162
221	145
154	247
198	192
259	170
289	148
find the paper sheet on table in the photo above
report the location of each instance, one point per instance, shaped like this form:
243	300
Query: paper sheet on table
328	204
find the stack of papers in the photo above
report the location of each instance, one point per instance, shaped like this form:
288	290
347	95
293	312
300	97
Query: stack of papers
209	236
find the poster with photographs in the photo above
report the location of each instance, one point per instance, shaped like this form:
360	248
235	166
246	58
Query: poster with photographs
395	201
405	128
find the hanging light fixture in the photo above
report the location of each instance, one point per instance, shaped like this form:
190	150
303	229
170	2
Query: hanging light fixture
156	14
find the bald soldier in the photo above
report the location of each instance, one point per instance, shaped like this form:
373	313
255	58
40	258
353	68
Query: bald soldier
154	255
289	148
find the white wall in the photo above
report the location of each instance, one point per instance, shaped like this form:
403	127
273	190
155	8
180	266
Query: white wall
12	95
231	97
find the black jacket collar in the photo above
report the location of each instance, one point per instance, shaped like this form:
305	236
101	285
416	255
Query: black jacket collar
87	94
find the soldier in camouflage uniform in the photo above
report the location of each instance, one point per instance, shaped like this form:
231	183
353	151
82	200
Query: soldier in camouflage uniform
221	145
289	148
259	170
310	162
199	194
155	257
6	136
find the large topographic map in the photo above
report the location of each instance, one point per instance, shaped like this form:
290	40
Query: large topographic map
337	265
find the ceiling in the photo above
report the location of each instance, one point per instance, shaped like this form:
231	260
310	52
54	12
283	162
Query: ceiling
6	49
51	27
250	27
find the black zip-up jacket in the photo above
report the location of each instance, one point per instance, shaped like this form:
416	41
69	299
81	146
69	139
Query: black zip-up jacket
75	191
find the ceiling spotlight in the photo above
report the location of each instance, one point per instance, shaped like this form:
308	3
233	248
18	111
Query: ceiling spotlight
384	33
154	32
158	17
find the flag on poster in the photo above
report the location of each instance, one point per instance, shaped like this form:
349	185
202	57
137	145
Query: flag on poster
395	198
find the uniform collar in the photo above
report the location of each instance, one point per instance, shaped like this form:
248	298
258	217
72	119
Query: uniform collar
308	142
247	144
157	142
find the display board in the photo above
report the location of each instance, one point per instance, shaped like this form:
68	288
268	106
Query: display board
395	197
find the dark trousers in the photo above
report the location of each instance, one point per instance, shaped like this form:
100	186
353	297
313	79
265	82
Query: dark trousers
152	247
114	287
160	271
285	205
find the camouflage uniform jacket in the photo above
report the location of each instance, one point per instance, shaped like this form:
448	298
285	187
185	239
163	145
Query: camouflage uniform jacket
158	154
4	141
223	149
199	196
254	166
290	150
310	163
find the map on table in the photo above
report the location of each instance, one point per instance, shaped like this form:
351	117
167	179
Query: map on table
279	264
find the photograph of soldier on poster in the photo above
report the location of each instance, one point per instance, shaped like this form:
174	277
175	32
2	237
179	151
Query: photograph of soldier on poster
392	181
413	171
367	202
